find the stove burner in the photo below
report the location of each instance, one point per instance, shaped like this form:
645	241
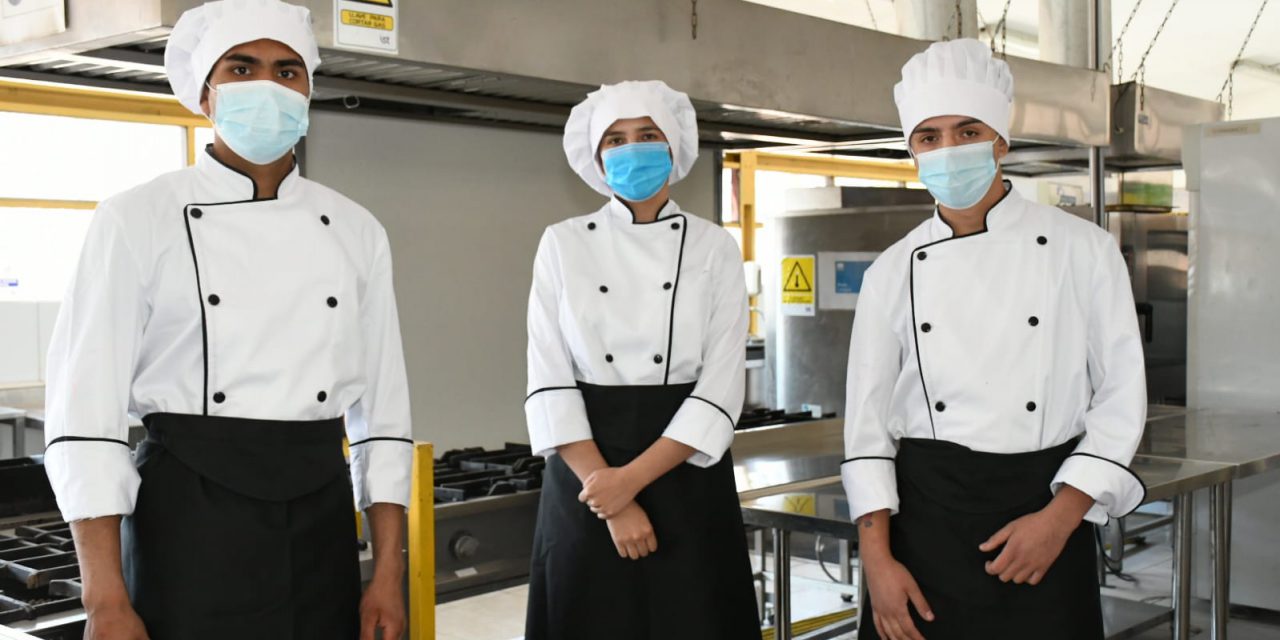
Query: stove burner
38	576
768	417
464	474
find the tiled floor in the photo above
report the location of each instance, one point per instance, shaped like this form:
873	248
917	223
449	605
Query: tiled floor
500	615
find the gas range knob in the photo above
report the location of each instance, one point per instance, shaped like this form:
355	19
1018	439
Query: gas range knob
464	546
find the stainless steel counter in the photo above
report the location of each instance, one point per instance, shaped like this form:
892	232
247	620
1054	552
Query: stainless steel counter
1250	441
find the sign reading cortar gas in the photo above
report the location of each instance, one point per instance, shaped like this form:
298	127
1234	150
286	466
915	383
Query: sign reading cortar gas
372	25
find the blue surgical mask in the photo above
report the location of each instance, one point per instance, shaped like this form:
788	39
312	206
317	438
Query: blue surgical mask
959	176
637	172
259	119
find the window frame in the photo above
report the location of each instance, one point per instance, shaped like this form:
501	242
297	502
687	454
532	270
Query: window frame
41	98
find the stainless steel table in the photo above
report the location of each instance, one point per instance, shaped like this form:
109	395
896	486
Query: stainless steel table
18	418
1247	441
819	506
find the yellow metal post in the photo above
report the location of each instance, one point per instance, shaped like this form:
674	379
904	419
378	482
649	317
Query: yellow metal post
422	547
747	219
191	145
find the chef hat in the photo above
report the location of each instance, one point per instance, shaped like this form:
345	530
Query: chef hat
204	34
955	78
671	110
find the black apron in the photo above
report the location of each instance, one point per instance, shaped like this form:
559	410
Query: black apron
243	529
697	585
951	499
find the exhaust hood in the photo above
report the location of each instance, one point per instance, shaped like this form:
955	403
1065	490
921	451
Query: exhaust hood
758	75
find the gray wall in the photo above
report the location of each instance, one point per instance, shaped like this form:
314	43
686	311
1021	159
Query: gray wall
464	207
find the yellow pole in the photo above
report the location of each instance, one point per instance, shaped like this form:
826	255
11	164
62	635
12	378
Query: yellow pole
191	145
422	547
747	218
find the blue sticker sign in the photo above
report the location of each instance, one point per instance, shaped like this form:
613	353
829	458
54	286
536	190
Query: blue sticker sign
849	275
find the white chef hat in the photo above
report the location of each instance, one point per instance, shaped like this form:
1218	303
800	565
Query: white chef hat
671	110
204	34
955	78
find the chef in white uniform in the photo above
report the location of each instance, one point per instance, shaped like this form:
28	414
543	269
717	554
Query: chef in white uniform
637	345
996	391
243	311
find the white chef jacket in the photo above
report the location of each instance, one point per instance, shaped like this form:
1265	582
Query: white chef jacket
1015	339
193	297
615	302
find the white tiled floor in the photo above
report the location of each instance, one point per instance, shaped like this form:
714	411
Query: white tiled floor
500	615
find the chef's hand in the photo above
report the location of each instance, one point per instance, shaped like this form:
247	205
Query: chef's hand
608	491
1033	542
632	533
382	608
892	588
116	621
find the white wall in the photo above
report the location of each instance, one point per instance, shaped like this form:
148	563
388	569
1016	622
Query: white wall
464	207
25	328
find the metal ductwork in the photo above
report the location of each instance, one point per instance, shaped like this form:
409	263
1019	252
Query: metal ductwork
1146	133
758	75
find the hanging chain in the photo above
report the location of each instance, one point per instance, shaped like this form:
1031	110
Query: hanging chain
694	19
1141	74
1119	45
957	19
871	13
1117	48
1003	28
1229	87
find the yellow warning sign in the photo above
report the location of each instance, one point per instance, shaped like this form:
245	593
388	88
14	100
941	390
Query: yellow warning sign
368	20
802	503
797	280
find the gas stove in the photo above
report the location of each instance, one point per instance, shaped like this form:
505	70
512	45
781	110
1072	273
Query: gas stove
40	582
466	474
764	417
486	509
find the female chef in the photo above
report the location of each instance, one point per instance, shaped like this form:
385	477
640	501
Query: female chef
243	311
637	330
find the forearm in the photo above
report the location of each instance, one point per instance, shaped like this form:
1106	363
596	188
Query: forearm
387	522
98	547
1069	506
583	458
661	457
873	536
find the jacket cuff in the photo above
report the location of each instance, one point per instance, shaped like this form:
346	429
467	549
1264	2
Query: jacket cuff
1115	489
556	417
92	479
382	471
871	484
705	427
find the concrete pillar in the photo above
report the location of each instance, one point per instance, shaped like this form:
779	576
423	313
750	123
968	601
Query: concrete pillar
935	19
1066	31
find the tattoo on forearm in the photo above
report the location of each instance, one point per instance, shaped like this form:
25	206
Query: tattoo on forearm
866	522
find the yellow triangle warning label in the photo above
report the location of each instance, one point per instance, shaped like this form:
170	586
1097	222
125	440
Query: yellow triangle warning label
797	281
798	294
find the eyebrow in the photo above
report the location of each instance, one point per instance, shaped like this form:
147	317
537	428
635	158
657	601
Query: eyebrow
245	58
960	125
644	129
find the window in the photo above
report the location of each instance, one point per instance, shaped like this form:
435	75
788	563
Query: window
61	152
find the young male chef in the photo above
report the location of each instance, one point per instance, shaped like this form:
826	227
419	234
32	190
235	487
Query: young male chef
243	311
995	391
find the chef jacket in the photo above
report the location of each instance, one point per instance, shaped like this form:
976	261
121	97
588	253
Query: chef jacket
1014	339
194	296
615	302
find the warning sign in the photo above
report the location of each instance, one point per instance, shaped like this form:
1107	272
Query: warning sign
367	24
798	292
368	20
